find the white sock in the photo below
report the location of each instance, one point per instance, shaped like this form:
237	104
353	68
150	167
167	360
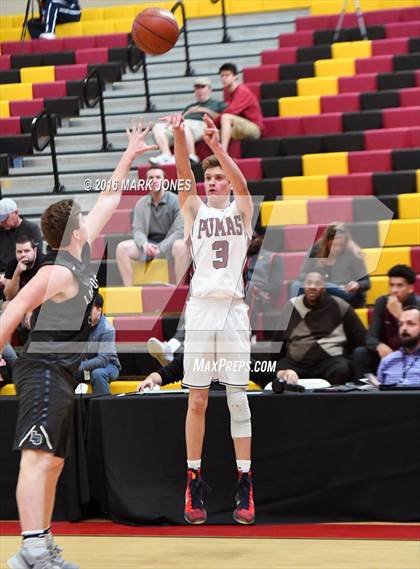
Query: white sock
174	344
243	465
194	464
35	542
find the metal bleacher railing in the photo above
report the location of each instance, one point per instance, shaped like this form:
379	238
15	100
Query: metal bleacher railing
38	124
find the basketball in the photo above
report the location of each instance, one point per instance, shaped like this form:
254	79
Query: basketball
155	31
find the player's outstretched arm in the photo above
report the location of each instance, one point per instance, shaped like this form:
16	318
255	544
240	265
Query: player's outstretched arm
189	201
240	187
110	198
49	281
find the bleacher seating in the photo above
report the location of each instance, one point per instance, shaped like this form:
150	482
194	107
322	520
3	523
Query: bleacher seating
342	121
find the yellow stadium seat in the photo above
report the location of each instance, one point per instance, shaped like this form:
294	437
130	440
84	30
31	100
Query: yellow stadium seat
379	261
8	389
409	204
298	106
4	109
350	49
110	320
122	386
123	25
18	20
362	313
122	300
379	286
68	30
253	386
92	14
401	232
6	22
322	7
115	12
330	163
317	86
97	27
15	91
298	187
152	272
335	67
284	213
41	74
10	34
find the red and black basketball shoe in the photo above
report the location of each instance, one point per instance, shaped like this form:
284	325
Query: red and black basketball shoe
244	512
195	512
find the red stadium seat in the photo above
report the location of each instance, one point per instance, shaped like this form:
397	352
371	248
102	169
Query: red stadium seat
170	171
137	328
351	185
43	90
387	138
80	42
164	299
301	237
14	47
415	259
391	46
5	62
409	14
71	72
358	83
314	23
120	222
10	125
47	46
297	39
264	73
328	211
403	30
98	247
97	55
284	55
417	285
250	168
111	40
417	72
292	264
378	17
407	116
323	124
283	126
409	97
128	201
377	64
26	108
347	102
255	88
370	161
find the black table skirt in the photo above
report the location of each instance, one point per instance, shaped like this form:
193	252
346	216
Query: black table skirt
316	457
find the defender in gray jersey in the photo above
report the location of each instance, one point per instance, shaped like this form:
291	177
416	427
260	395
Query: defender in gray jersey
217	332
61	295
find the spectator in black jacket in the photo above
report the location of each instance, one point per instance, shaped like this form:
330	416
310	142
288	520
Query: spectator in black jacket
383	335
12	226
319	331
341	262
51	13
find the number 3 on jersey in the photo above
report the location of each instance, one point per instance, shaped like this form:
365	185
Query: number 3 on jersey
221	249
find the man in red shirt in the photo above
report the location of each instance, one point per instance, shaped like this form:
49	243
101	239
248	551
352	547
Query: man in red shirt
242	118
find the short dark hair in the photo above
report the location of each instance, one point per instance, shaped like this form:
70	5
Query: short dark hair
59	221
229	67
25	239
210	162
404	272
411	307
156	168
99	301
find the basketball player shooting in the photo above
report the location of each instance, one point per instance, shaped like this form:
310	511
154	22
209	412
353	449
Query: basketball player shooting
217	331
61	295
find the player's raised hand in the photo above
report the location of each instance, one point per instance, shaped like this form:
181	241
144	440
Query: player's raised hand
174	121
137	139
211	134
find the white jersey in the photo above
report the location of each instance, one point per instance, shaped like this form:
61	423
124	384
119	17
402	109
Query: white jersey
219	243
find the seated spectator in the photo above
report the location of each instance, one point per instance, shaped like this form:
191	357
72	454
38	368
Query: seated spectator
403	366
318	331
242	118
383	335
193	124
100	363
20	270
169	373
13	226
341	262
158	231
51	13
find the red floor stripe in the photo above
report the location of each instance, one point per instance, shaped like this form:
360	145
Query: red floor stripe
287	531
